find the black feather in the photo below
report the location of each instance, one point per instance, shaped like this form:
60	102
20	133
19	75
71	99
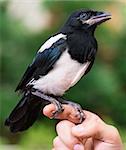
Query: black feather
89	67
42	63
85	48
25	113
26	77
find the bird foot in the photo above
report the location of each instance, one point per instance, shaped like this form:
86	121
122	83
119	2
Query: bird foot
78	109
79	113
58	101
57	104
57	111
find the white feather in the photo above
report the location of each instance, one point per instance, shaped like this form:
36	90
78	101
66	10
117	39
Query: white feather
80	73
65	74
50	41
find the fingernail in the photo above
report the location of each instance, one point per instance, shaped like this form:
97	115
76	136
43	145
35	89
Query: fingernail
78	147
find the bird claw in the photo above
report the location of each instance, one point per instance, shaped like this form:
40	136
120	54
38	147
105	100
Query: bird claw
79	114
57	111
79	111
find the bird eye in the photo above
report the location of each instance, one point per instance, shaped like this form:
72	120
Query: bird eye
82	16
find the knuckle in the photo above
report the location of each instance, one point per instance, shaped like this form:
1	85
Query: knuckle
96	118
114	131
60	126
56	142
114	134
97	121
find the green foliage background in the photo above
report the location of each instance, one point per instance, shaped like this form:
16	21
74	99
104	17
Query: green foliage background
102	91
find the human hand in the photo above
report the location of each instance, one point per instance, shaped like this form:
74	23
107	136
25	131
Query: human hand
92	134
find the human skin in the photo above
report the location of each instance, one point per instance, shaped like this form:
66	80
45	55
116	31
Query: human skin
92	134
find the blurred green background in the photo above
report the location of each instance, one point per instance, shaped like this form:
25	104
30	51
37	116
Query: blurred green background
24	26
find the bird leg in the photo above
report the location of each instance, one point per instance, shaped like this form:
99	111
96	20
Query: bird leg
58	105
79	111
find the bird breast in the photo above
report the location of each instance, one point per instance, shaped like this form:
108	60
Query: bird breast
65	74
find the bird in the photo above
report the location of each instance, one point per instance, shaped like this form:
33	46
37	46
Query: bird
65	57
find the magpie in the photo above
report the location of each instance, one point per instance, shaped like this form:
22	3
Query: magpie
58	65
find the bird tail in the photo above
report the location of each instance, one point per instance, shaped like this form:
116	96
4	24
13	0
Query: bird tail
24	114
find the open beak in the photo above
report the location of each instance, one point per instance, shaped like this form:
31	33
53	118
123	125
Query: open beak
99	18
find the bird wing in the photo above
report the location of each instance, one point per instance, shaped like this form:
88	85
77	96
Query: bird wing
43	62
90	58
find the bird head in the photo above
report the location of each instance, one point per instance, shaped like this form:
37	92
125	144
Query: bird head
86	19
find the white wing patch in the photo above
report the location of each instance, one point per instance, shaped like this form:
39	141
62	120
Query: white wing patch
80	73
50	41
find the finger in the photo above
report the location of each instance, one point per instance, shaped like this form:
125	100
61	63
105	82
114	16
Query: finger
88	144
86	128
64	132
93	126
48	110
68	113
58	144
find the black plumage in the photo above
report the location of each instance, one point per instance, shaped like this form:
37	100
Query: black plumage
42	63
59	64
25	113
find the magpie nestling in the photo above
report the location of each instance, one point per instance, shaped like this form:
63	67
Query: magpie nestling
58	65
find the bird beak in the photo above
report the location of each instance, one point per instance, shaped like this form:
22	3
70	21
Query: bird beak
98	19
